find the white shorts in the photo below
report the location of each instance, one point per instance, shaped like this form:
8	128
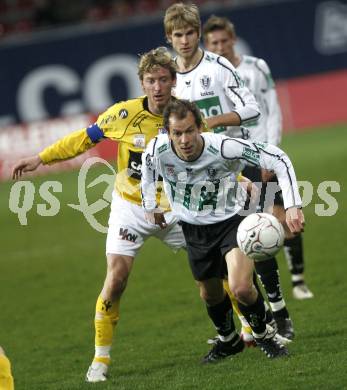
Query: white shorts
128	229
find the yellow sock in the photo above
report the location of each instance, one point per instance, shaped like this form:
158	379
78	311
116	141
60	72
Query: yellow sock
245	326
106	318
6	379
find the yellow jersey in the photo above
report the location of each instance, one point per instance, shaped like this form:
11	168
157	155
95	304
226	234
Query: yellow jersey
132	125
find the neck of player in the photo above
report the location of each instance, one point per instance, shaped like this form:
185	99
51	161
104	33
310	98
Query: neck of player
187	64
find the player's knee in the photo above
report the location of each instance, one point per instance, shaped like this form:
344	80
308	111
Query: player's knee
118	270
242	291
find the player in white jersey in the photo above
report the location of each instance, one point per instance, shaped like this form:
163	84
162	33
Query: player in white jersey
207	79
199	173
220	37
213	83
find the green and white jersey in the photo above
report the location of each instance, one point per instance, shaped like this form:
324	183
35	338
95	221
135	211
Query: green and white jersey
206	191
216	87
257	76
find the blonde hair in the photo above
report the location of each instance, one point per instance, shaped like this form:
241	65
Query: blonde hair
159	57
181	15
216	23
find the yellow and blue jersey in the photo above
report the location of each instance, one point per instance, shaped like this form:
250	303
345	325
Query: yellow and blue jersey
130	124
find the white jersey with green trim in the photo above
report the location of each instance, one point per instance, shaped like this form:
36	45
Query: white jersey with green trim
206	191
216	87
258	79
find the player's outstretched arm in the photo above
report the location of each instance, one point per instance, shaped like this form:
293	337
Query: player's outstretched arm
295	219
25	165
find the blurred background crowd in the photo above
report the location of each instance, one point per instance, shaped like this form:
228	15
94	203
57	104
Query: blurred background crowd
22	16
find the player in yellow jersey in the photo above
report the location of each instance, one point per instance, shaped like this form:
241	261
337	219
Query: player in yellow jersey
6	379
133	124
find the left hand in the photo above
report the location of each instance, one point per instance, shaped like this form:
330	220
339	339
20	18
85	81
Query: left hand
156	219
295	220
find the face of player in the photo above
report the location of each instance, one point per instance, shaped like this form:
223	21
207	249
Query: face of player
185	42
157	85
185	136
221	43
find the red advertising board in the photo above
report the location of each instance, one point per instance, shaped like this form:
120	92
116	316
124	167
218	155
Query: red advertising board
28	139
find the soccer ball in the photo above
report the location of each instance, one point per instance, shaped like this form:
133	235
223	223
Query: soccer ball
260	236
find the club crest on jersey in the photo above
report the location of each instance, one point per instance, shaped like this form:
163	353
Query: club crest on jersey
205	81
139	141
123	113
170	169
211	172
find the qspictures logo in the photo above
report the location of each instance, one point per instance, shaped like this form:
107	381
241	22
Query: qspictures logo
22	196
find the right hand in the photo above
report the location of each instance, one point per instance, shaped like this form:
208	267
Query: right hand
25	165
295	220
156	219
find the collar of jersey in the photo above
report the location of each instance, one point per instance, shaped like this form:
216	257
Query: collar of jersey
146	108
191	70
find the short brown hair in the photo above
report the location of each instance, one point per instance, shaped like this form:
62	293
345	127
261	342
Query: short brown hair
153	59
181	15
180	108
215	23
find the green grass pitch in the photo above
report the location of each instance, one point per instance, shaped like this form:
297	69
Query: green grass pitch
52	270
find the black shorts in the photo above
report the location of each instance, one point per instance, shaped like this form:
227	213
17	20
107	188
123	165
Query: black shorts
254	174
207	246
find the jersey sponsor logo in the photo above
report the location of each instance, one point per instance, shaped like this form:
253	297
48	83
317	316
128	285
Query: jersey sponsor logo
123	113
107	119
250	155
207	93
162	148
139	141
205	82
134	165
124	234
260	144
211	106
212	150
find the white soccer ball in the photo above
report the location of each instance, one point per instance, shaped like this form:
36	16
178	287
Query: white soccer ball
260	236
